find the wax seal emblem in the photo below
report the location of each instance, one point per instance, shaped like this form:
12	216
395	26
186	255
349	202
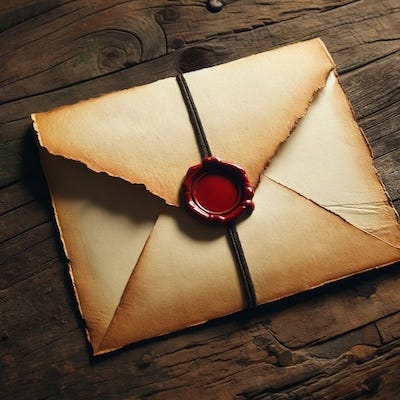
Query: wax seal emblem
217	191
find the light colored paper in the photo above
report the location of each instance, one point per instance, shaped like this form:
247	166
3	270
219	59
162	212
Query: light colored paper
142	268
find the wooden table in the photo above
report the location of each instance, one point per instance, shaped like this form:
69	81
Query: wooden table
338	342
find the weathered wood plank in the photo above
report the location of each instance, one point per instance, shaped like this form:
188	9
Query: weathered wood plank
16	195
17	155
15	12
82	43
251	350
368	335
250	361
389	327
220	48
388	166
365	299
353	375
24	255
382	129
22	219
338	342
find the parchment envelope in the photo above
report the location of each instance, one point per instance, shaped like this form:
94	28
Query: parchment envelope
143	267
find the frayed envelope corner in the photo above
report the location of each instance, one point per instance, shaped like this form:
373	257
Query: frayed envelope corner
141	266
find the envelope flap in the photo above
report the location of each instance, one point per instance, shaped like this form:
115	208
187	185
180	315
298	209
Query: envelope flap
291	245
104	224
328	160
250	106
144	135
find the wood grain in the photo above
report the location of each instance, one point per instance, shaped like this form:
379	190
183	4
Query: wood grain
337	342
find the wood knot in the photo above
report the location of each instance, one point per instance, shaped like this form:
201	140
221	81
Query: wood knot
263	342
372	384
361	353
144	361
194	58
168	14
110	50
112	57
177	43
284	358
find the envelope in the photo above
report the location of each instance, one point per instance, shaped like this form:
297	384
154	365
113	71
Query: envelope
141	265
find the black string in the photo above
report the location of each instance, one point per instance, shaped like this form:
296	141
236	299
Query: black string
232	234
194	117
247	282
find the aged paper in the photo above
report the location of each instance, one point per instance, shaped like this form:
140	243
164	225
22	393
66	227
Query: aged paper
143	135
141	266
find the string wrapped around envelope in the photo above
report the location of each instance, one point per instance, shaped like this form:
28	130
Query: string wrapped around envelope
218	191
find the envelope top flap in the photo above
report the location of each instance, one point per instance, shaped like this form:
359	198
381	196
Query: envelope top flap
248	107
327	160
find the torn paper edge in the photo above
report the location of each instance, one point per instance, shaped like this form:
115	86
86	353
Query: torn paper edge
389	200
293	128
69	261
332	212
219	317
92	166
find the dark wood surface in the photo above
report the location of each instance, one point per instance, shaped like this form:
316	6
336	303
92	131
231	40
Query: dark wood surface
338	342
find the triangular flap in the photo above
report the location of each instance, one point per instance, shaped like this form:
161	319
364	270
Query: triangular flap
104	223
186	275
292	244
250	106
143	135
328	160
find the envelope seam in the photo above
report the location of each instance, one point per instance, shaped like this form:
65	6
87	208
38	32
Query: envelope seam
330	211
295	124
125	289
389	200
232	234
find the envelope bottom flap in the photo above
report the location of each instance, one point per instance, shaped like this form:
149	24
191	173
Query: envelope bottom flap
176	282
291	245
327	159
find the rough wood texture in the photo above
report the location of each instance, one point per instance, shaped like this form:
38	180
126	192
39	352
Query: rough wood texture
338	342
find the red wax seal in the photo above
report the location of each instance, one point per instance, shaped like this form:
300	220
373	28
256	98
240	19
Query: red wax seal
217	191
